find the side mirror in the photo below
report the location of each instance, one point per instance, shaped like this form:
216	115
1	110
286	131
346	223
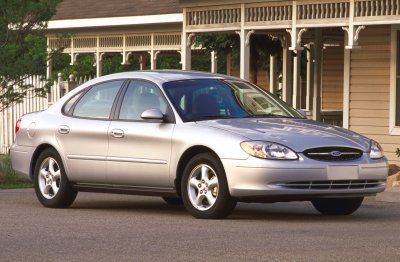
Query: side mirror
152	114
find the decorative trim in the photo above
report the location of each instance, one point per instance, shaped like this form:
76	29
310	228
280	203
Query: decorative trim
248	35
156	53
353	35
296	33
356	35
190	39
73	58
125	58
99	57
299	35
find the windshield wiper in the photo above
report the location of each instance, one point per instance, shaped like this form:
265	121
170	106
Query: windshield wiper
268	116
212	117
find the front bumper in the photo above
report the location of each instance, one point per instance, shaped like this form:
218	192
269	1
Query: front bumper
21	157
304	178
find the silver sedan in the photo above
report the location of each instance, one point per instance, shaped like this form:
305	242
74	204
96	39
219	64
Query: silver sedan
200	139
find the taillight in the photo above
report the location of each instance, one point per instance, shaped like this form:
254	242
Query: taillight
18	124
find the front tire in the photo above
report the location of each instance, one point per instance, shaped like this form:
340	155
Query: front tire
204	188
51	183
337	206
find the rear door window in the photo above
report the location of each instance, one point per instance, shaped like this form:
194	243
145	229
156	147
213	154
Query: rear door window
98	101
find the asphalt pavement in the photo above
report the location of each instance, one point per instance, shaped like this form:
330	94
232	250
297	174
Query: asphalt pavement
105	227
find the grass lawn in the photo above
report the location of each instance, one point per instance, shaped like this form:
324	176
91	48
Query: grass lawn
8	178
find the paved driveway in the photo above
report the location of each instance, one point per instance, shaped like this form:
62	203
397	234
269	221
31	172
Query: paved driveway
101	227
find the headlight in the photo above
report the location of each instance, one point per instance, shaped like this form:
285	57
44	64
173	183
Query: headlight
376	150
268	150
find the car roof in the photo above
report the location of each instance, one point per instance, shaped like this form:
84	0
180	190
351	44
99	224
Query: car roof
162	76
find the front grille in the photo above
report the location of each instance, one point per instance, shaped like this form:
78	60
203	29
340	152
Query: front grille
333	153
333	184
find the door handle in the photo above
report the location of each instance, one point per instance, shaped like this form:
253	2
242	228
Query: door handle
117	133
63	130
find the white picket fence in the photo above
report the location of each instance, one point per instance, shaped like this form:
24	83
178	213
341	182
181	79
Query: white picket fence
30	103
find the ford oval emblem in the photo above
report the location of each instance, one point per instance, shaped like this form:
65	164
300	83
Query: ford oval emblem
336	153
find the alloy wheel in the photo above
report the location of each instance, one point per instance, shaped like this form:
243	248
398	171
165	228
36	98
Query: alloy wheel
203	187
49	178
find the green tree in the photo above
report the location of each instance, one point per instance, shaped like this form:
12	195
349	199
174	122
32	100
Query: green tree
23	47
261	47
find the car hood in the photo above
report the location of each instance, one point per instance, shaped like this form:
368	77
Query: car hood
298	134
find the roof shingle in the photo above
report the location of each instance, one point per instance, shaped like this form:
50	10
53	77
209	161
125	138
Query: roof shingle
78	9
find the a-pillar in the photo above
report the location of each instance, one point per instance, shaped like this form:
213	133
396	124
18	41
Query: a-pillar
317	74
273	85
214	62
286	72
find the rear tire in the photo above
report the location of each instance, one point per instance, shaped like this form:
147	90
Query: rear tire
337	206
50	181
204	188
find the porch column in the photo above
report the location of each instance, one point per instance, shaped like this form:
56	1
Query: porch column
346	85
310	75
98	57
186	52
286	73
99	66
214	62
245	53
153	59
272	74
48	68
152	54
141	62
48	62
317	74
296	102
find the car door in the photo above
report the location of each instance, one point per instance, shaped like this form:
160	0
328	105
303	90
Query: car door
82	132
139	150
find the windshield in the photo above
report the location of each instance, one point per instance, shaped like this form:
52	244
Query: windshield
204	99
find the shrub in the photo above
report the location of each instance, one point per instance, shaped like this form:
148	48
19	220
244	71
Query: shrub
8	178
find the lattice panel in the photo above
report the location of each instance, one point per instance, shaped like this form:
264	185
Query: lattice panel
85	42
167	40
269	13
323	10
111	41
138	40
376	8
55	43
212	17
